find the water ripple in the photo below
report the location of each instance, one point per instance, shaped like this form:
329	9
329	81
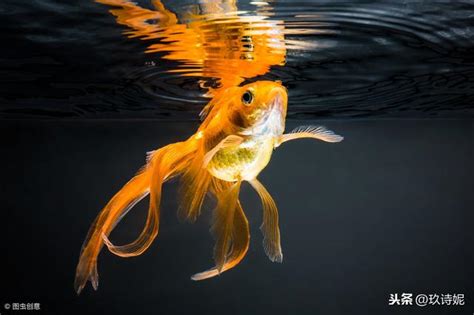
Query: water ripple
337	59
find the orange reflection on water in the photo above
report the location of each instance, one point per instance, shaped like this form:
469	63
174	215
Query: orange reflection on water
213	39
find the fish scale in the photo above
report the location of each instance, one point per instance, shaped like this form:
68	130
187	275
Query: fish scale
234	162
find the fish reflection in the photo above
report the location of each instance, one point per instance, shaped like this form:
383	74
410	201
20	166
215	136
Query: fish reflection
215	40
241	127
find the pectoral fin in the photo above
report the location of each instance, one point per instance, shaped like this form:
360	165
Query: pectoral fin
314	132
270	229
228	141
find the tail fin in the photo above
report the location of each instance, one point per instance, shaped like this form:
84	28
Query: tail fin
239	233
162	165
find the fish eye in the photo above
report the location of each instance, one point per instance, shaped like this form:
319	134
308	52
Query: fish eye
247	98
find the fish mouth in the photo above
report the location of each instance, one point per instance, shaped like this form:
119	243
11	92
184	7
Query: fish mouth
274	121
278	100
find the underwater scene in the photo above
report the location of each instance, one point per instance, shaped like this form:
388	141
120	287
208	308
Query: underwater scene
237	157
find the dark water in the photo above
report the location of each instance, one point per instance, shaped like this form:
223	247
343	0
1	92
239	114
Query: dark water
388	210
70	59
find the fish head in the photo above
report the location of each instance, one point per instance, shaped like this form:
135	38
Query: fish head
259	108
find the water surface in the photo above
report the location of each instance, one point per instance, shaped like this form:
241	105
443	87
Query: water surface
342	59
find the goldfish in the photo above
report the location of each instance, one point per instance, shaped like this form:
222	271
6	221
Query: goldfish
240	129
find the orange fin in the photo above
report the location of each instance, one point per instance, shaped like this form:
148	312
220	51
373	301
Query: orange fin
146	237
167	161
150	231
222	223
163	164
270	229
194	186
240	245
117	207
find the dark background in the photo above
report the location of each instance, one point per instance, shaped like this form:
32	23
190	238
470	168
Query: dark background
388	210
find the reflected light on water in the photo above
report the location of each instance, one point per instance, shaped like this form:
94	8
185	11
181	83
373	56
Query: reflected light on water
212	39
338	59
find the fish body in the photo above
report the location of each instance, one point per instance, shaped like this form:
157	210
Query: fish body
258	124
241	126
243	162
233	144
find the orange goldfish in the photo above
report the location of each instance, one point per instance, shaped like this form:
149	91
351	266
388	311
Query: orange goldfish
241	128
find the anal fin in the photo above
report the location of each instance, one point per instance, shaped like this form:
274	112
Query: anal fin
240	245
222	223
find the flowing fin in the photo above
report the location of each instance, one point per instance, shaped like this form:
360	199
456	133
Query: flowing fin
270	229
315	132
149	232
134	190
240	236
240	245
193	187
163	164
228	141
222	224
